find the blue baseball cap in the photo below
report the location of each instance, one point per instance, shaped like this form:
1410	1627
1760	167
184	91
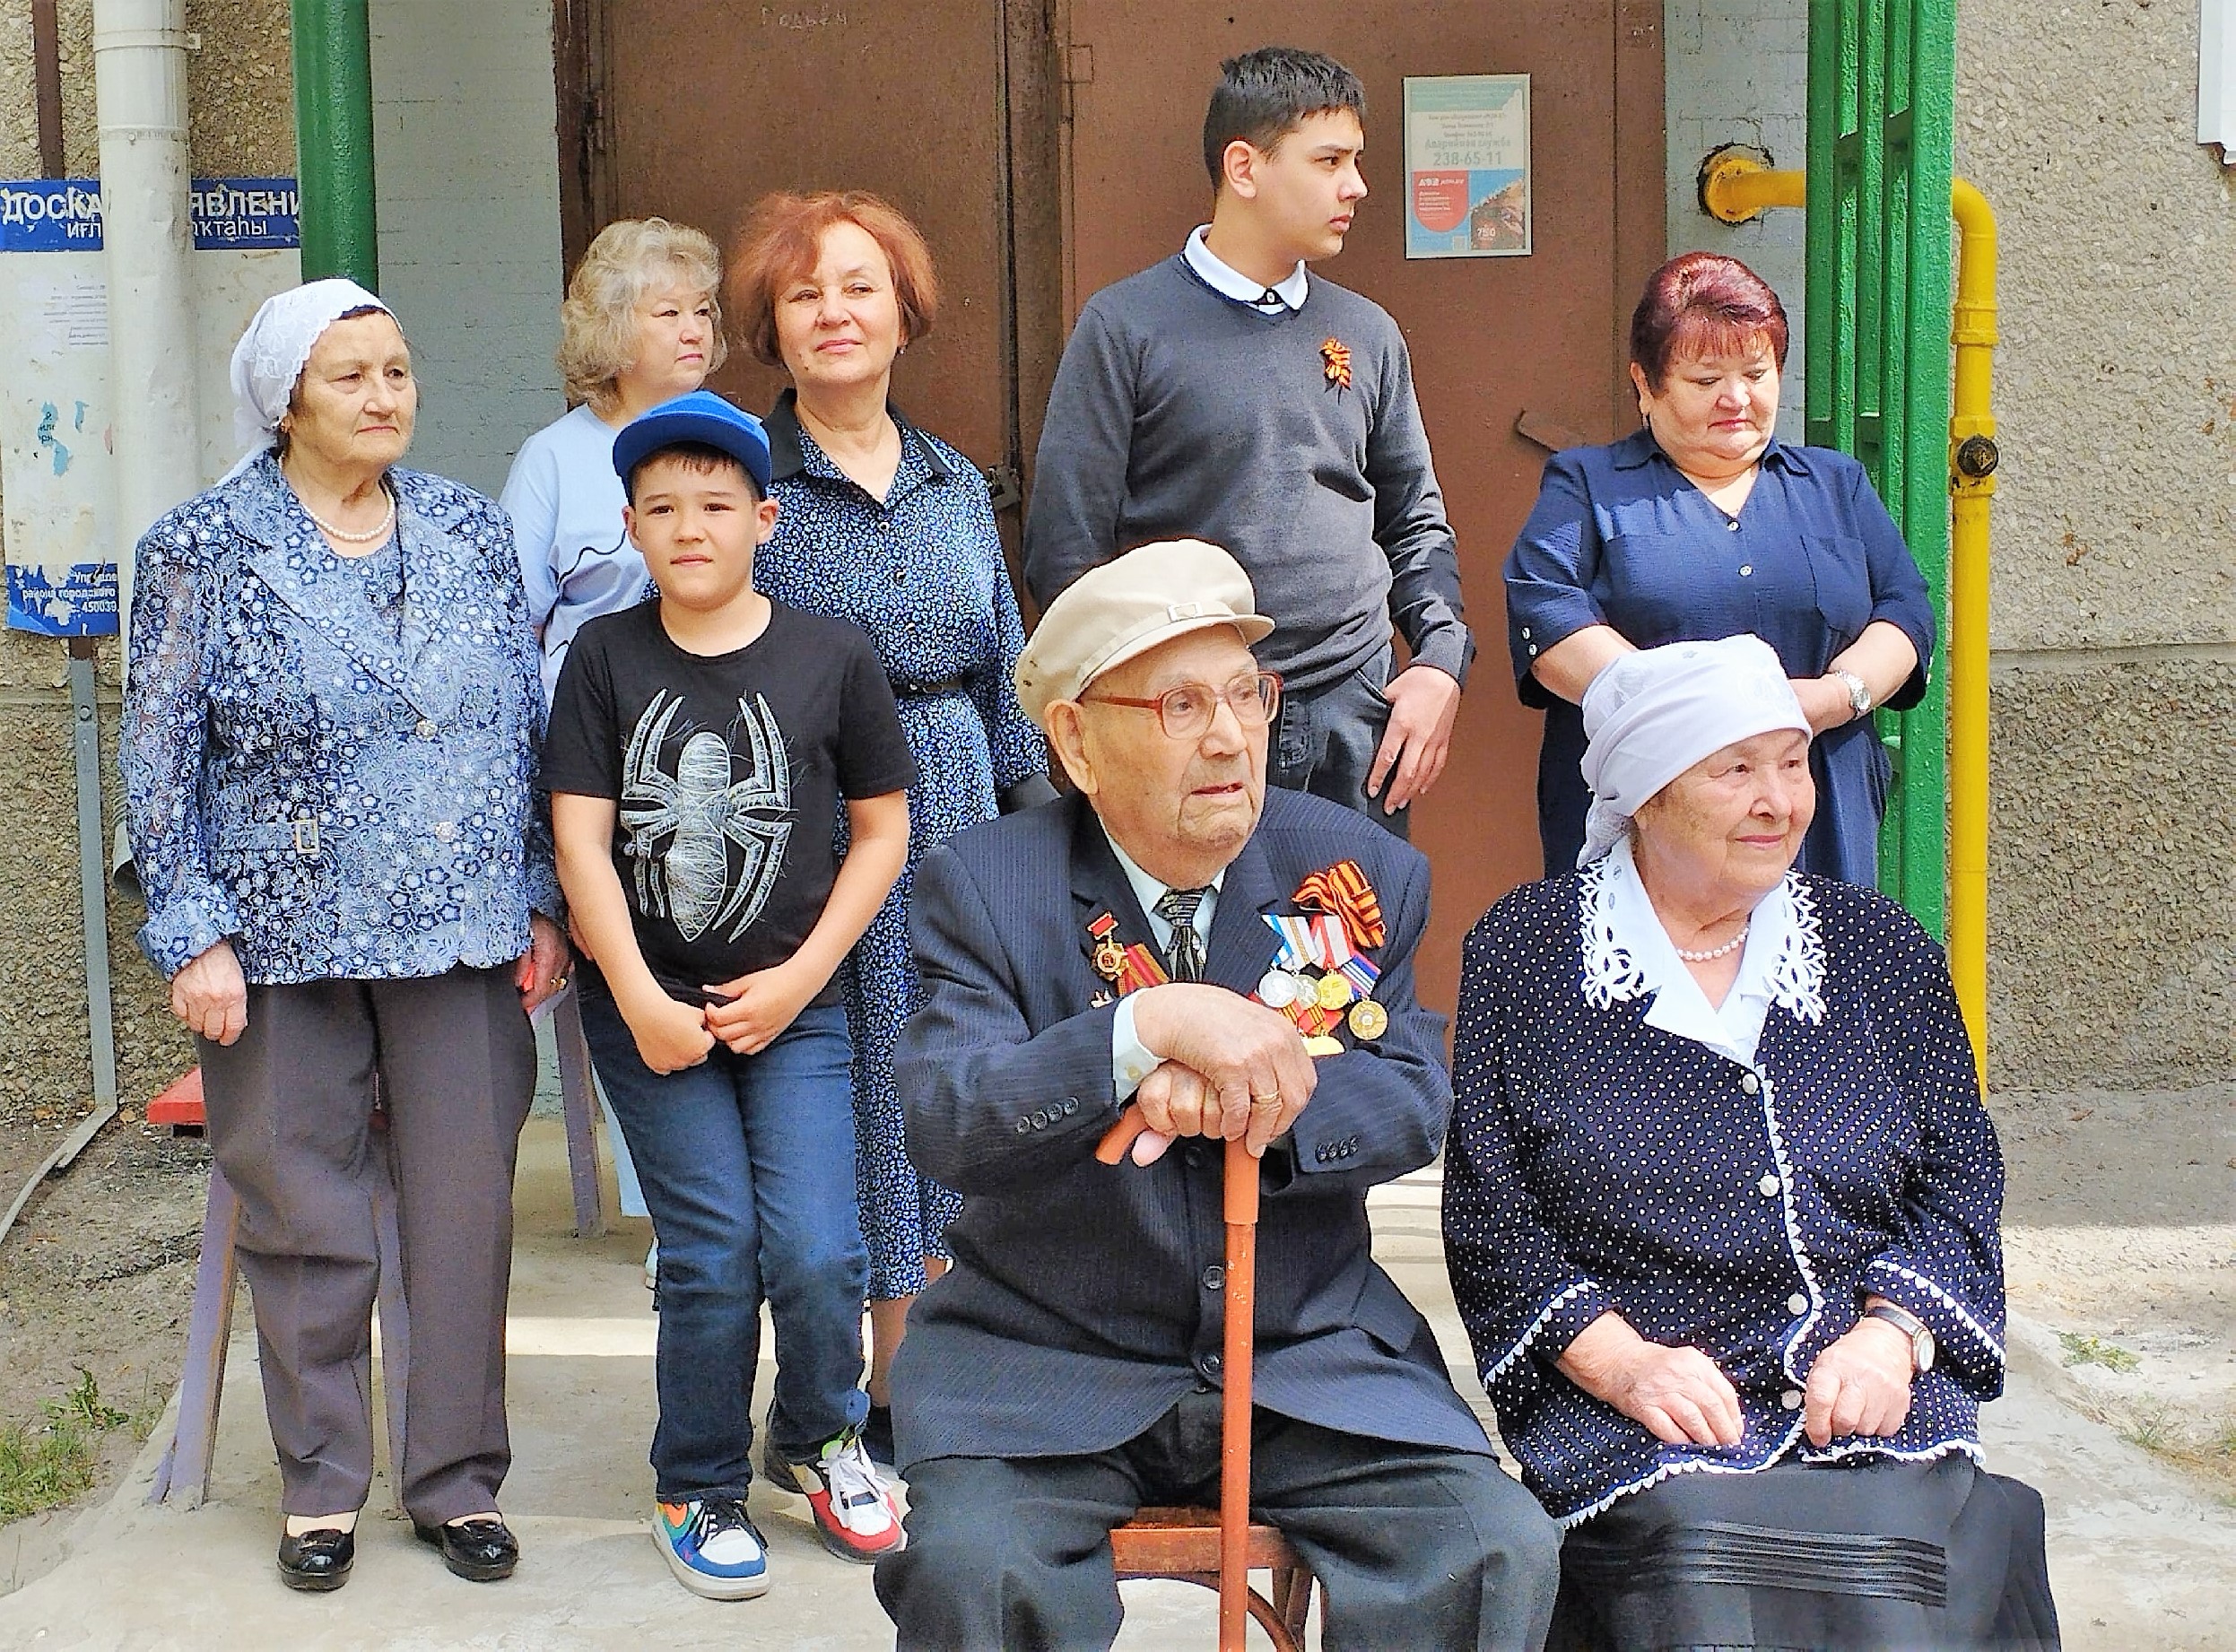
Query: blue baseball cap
702	417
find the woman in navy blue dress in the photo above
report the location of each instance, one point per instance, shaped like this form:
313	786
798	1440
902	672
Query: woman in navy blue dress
1722	1209
1703	524
889	526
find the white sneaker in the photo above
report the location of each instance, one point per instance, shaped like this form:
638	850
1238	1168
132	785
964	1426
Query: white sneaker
857	1515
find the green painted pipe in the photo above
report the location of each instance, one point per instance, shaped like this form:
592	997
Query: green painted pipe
333	140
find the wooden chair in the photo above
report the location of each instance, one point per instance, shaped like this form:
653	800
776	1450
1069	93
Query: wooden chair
1219	1548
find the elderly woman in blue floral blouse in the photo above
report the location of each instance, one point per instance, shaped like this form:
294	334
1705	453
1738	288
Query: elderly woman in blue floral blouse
329	750
1721	1208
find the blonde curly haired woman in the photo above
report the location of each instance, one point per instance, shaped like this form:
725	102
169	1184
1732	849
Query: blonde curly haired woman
641	324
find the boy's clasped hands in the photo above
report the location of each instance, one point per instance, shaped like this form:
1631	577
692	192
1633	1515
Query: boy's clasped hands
749	1013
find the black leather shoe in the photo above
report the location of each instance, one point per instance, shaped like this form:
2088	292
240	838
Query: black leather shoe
317	1560
479	1551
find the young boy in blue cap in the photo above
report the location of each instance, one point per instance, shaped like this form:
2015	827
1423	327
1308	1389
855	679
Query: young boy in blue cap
699	747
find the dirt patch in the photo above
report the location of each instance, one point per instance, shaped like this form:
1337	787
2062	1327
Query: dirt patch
96	1276
2119	1240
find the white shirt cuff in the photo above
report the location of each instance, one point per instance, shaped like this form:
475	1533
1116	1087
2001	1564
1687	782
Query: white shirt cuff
1131	1060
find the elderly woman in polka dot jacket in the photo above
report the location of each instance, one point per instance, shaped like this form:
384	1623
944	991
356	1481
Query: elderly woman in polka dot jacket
1721	1208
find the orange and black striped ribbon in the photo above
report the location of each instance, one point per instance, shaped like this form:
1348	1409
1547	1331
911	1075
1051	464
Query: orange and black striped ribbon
1343	888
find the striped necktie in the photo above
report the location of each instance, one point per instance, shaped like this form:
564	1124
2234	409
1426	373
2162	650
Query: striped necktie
1184	958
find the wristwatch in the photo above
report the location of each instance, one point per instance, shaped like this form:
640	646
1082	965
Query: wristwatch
1859	691
1910	1325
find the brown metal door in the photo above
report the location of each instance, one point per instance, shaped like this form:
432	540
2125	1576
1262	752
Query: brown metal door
1494	341
693	109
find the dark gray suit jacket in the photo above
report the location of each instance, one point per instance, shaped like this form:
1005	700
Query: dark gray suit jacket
1085	1300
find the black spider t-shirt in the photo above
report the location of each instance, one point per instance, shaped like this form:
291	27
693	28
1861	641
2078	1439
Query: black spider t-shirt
728	772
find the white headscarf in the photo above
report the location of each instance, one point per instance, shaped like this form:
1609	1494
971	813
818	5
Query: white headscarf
1651	715
270	357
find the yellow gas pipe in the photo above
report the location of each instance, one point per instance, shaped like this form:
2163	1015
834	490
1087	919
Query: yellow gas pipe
1735	187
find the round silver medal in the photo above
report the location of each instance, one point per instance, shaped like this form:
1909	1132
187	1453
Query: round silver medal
1277	989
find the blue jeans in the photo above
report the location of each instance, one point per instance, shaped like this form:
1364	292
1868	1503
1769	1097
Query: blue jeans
747	1163
1324	742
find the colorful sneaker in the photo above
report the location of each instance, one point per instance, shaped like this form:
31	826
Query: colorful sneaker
712	1548
857	1515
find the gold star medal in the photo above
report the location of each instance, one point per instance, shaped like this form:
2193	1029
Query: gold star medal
1369	1020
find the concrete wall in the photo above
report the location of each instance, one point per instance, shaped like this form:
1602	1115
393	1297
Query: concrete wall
2113	930
1737	72
464	138
242	123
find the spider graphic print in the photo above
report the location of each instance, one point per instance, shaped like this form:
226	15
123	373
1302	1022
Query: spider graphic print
682	824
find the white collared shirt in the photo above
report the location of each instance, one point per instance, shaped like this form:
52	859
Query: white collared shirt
1224	278
1131	1060
1733	1027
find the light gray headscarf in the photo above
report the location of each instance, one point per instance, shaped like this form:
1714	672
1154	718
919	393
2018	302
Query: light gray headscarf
270	357
1651	715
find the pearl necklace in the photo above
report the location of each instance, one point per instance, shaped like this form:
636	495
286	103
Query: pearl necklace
379	531
1714	952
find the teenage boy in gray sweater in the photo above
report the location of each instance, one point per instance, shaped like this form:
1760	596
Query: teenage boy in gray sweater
1224	395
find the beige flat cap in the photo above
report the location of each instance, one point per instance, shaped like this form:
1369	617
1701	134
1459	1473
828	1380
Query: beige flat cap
1125	607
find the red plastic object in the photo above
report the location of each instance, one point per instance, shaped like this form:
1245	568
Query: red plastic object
180	1105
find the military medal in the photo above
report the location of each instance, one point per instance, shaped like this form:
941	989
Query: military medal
1369	1020
1320	1044
1332	991
1277	989
1109	956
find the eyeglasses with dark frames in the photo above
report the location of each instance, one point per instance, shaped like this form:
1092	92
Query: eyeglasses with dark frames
1185	712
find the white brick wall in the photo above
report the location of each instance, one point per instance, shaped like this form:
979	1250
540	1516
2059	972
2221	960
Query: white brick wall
468	194
1738	73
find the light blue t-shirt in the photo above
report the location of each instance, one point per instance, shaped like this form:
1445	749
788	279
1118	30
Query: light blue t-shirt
576	559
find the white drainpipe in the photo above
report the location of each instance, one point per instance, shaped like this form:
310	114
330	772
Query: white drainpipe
140	89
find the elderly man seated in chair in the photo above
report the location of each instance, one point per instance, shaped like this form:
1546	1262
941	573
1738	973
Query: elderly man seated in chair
1237	964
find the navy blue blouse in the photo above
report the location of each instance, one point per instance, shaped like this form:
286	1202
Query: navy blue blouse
1620	537
1597	1163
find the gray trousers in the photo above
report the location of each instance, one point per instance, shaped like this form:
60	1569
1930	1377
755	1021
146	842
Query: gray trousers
1426	1549
453	1062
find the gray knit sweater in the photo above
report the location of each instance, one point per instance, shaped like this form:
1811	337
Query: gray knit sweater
1179	412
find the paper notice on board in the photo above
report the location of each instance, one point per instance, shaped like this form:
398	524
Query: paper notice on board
1467	166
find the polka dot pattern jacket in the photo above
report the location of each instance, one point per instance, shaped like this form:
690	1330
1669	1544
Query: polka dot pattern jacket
1598	1164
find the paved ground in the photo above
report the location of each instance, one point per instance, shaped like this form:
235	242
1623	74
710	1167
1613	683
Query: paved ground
2140	1559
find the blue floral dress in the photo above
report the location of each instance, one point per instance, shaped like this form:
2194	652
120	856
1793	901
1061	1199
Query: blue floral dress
923	574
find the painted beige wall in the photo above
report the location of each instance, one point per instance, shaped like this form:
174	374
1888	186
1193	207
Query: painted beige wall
242	123
2114	572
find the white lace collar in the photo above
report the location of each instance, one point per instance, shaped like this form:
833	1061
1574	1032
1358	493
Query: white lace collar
1627	954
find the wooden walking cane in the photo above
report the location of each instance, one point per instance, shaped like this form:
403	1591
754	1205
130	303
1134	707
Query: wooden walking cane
1234	1416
